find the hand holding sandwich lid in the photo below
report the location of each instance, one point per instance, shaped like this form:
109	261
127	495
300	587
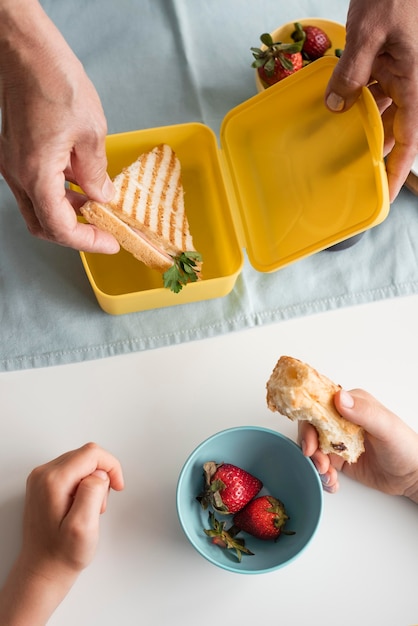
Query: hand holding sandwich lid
53	129
390	460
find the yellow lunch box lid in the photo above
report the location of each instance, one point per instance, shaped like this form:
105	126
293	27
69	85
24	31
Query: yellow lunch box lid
304	178
289	179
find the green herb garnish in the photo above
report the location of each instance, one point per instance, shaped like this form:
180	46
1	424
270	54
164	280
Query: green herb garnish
184	270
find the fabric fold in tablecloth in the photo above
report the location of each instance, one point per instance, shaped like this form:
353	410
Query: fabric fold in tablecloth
154	63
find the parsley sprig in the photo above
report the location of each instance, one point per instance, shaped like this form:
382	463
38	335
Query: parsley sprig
184	270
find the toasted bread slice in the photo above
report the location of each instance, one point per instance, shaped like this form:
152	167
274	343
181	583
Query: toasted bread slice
298	391
147	214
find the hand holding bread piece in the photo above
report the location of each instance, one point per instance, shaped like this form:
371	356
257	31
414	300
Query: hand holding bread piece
147	216
299	392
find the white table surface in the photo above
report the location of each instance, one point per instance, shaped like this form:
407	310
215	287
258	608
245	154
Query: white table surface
151	409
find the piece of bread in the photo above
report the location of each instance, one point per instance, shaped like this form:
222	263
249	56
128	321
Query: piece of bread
147	214
299	392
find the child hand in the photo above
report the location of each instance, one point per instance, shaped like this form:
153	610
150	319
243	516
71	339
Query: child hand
64	500
390	460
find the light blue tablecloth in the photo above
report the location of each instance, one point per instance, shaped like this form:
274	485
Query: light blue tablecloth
158	62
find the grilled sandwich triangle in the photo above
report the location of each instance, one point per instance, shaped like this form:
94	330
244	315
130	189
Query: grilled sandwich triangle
147	215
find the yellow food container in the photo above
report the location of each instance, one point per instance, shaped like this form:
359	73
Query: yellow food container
288	180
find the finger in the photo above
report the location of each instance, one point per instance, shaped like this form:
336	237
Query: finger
355	68
58	220
329	479
307	437
82	462
88	160
89	501
382	100
89	169
400	144
76	199
398	165
351	74
387	121
104	476
360	407
54	219
402	155
74	234
321	462
327	466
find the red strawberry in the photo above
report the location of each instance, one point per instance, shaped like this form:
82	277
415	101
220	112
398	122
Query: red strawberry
277	60
281	70
228	488
264	518
315	41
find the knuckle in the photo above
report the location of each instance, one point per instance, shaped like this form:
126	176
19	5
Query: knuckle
96	133
34	228
34	476
43	477
90	446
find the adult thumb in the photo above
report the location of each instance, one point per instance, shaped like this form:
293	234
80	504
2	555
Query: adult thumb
89	167
351	74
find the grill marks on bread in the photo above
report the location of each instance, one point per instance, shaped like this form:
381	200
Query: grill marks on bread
147	214
154	185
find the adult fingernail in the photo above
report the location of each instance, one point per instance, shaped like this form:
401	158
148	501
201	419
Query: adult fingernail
335	102
346	399
108	190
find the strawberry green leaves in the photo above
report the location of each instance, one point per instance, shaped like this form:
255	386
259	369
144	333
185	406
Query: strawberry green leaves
275	60
273	52
225	539
185	269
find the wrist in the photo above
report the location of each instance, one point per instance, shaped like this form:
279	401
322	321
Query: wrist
32	592
55	573
26	32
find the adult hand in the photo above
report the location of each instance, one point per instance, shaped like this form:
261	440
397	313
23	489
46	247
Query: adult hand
53	129
390	460
382	46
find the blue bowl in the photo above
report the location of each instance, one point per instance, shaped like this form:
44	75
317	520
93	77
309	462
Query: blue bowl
286	474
